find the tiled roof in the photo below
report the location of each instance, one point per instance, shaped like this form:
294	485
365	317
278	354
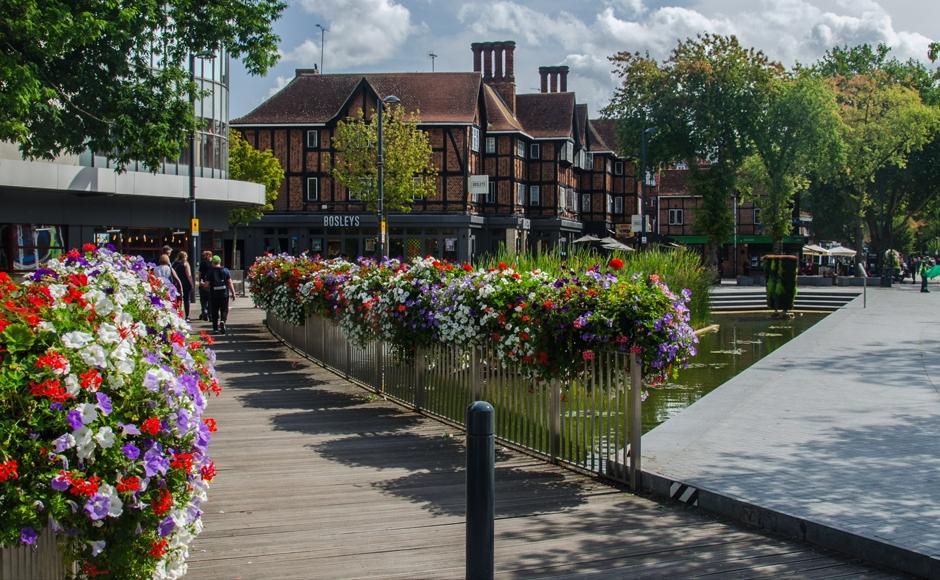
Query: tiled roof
498	115
581	121
605	130
315	98
546	115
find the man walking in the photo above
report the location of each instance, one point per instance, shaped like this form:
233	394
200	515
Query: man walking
204	265
221	290
915	267
924	266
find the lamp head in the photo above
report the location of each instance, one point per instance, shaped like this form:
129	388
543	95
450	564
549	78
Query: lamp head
391	100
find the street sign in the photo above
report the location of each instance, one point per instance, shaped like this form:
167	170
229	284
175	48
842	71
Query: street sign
194	227
478	184
382	227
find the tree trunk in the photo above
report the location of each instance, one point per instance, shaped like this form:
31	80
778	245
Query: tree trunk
234	245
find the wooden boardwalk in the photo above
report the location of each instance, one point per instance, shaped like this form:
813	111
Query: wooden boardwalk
319	479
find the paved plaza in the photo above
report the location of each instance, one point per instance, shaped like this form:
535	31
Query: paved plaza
840	427
319	479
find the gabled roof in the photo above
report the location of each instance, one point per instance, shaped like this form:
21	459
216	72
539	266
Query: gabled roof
605	131
498	115
546	115
581	122
315	98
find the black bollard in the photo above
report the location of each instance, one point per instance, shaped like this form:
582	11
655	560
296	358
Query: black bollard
481	490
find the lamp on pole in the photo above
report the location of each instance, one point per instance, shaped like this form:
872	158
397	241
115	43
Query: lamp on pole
193	216
380	162
322	32
642	190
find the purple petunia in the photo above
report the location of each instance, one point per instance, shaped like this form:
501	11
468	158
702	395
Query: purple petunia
104	403
166	526
131	451
28	536
74	417
60	483
97	506
155	462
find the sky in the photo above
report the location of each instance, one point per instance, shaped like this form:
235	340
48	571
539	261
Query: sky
398	35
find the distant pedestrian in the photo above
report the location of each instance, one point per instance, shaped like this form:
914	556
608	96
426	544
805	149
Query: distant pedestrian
204	265
185	274
164	272
167	251
924	266
221	290
915	267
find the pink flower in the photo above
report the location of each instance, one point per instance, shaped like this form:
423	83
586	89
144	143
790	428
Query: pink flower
588	355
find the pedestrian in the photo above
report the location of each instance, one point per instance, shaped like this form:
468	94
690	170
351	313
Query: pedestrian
185	274
221	290
915	267
204	265
164	272
924	266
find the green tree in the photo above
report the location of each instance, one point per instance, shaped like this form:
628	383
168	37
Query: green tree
113	76
409	170
704	99
797	133
245	163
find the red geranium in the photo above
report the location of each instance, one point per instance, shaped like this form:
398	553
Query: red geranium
159	548
163	503
8	470
151	426
129	484
615	263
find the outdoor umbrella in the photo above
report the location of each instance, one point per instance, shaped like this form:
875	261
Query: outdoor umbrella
841	252
609	243
814	250
586	239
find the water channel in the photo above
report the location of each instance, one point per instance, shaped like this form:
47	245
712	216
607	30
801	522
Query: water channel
742	340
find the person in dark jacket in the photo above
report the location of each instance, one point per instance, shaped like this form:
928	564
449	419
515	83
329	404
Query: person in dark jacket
221	290
204	265
184	272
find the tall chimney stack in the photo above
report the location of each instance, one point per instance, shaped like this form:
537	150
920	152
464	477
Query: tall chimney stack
498	54
554	80
487	60
476	47
563	72
510	47
499	73
543	74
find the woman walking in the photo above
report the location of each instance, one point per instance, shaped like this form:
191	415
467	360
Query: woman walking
185	274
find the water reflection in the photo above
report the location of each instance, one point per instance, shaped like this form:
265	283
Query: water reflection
741	341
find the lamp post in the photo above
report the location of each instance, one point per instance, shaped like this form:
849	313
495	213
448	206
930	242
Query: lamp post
194	217
322	32
642	189
380	162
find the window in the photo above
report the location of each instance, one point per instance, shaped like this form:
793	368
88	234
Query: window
491	144
313	189
618	167
313	139
675	217
520	148
610	203
562	193
586	202
520	194
535	151
567	151
534	195
588	161
475	139
572	200
491	194
618	205
757	221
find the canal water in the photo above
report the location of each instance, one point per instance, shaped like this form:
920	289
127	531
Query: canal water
742	340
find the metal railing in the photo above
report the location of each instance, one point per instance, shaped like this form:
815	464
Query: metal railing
590	422
41	561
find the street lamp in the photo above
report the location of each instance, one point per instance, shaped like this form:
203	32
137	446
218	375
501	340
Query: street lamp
642	189
322	32
380	162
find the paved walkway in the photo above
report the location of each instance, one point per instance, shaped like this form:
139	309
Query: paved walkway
318	479
840	427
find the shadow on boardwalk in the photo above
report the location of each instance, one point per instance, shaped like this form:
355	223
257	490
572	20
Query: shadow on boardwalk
318	479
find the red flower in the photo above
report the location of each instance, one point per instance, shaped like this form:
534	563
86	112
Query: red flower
524	335
90	379
207	338
588	355
654	278
92	571
182	461
162	504
51	388
151	426
129	484
502	266
159	548
84	487
88	247
210	423
401	307
516	276
467	267
208	472
8	470
548	304
615	263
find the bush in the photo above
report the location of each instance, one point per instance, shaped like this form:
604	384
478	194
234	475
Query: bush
781	274
102	394
549	323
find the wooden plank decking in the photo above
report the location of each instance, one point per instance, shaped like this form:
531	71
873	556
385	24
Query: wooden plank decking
319	479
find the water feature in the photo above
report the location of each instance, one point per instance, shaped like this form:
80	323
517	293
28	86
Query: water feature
742	340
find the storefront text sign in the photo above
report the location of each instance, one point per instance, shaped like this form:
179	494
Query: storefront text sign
479	184
340	221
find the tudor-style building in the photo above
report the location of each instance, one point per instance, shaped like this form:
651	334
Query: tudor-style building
554	174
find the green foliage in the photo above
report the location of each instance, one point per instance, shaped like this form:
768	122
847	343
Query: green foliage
246	163
82	74
781	273
409	170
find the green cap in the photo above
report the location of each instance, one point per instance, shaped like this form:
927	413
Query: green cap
216	260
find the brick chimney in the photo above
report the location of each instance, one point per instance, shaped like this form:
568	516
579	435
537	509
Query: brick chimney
552	77
498	63
543	74
563	74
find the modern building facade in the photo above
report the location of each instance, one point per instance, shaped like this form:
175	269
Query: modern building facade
553	174
47	207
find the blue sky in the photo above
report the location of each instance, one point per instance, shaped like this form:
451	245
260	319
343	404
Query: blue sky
397	35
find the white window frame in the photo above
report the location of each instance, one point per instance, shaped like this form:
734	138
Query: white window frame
535	151
562	197
313	194
757	221
316	139
520	148
588	161
618	167
610	203
535	195
676	216
618	205
586	196
491	144
491	193
475	139
569	151
520	194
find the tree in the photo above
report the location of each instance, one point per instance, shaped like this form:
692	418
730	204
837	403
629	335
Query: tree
113	76
245	163
704	99
409	170
797	133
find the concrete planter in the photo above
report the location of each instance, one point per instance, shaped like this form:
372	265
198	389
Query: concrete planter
815	281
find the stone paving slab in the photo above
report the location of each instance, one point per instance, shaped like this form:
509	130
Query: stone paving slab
839	427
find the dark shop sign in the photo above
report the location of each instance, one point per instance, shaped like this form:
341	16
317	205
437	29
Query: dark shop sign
340	221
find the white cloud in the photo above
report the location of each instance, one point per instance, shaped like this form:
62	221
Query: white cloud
360	33
279	83
530	26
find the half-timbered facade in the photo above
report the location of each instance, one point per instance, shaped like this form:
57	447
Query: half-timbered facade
553	173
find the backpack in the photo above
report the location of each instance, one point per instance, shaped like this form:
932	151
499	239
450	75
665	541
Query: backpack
217	277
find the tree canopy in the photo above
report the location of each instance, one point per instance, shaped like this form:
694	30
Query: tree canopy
409	172
113	76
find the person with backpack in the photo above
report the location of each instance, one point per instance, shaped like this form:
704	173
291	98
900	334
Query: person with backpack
218	282
184	273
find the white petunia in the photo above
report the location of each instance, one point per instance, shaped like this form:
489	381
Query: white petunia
72	385
88	411
94	356
76	339
105	437
108	333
